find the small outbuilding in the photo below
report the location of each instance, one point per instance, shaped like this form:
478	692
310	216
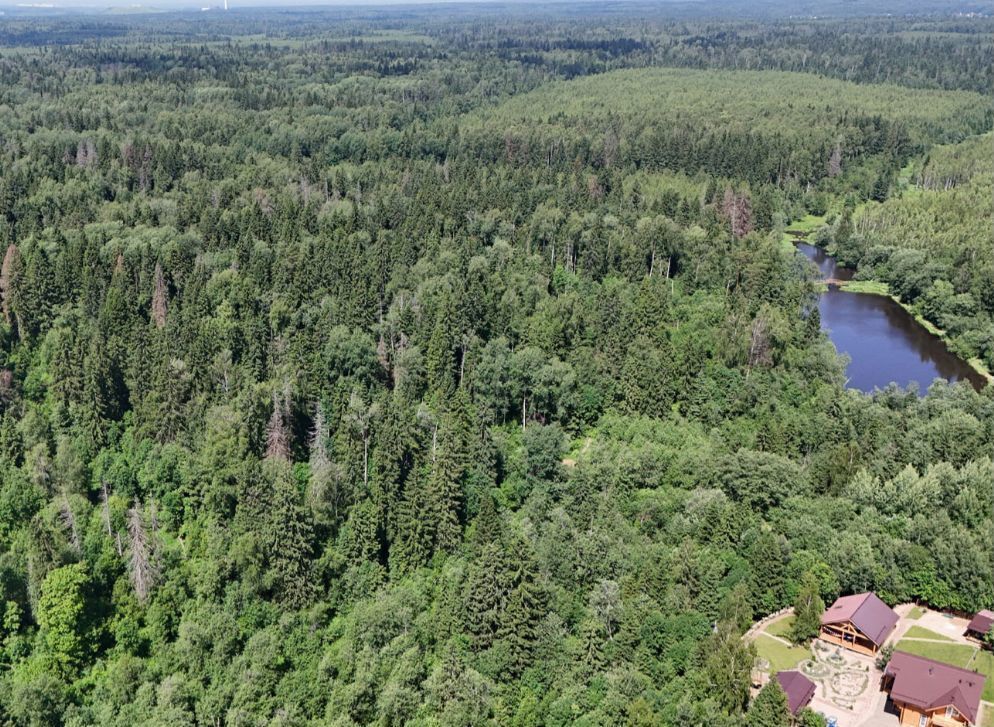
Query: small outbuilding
928	693
798	688
861	623
980	624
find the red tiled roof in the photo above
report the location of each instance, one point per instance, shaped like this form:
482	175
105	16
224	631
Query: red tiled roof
929	684
799	689
869	614
981	622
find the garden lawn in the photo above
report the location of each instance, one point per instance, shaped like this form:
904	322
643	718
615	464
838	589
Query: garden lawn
915	613
920	632
780	628
780	655
955	654
983	662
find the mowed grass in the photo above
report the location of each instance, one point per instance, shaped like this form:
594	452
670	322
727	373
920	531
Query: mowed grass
920	632
983	663
915	613
955	654
780	628
779	655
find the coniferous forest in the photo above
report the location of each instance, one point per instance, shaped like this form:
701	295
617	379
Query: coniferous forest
447	365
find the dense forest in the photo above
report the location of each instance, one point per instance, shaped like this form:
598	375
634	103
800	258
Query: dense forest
446	366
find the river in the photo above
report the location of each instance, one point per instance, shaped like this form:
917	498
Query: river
884	342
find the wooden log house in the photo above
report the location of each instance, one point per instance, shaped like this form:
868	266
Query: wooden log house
928	693
860	623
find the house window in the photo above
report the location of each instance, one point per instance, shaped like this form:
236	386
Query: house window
950	711
923	721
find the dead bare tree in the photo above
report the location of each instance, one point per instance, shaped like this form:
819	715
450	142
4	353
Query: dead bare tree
7	272
105	512
359	418
738	210
835	161
86	153
68	520
278	428
760	350
160	298
141	568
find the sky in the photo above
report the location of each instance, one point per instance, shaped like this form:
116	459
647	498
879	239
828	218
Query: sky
194	4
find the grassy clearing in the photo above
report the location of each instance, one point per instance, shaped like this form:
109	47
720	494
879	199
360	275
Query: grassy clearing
807	224
779	654
780	628
920	632
869	287
955	654
915	613
803	227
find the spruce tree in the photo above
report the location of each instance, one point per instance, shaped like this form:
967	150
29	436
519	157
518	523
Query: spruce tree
526	607
768	559
769	709
441	347
448	469
411	546
288	541
808	609
487	593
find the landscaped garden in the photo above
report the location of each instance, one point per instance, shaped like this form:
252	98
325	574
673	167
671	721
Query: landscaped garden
844	679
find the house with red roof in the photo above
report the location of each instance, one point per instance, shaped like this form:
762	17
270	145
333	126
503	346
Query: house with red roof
928	693
861	623
798	688
980	625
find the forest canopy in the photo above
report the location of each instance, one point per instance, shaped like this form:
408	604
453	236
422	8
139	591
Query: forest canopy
447	366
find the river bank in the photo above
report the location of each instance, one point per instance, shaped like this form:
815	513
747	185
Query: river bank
875	287
839	280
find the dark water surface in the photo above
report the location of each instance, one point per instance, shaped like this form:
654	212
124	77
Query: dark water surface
884	341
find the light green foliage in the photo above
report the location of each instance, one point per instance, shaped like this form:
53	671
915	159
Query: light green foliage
809	718
808	609
62	617
727	664
769	709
